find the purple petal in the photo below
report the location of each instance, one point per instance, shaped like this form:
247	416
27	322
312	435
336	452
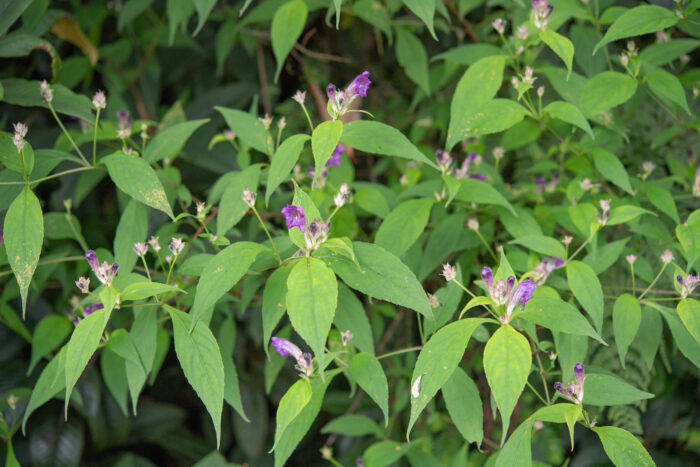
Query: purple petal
527	288
360	84
285	347
487	277
330	90
481	177
294	216
579	374
558	262
92	308
334	160
560	387
92	260
540	180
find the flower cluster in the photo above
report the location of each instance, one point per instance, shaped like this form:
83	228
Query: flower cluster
688	283
315	232
288	349
541	11
499	24
339	101
506	293
605	215
343	195
444	162
249	197
125	122
99	101
545	267
574	391
647	168
105	272
46	92
18	138
542	184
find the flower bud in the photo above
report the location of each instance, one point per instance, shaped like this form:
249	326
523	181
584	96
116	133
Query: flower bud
140	248
667	256
631	259
99	101
46	92
449	272
249	197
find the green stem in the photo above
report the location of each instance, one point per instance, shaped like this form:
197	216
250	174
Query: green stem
399	352
488	247
536	393
94	139
308	118
463	288
654	281
274	247
148	273
75	146
43	179
632	271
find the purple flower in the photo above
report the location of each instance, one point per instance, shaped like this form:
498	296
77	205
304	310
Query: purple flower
574	391
545	267
105	272
487	277
330	90
285	347
479	177
92	260
288	349
359	85
520	296
334	160
542	10
579	374
294	216
541	180
92	308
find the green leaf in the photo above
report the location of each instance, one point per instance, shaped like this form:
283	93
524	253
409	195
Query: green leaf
663	201
352	425
686	343
611	168
304	201
274	302
561	46
464	406
478	86
507	361
559	316
623	449
324	140
179	11
302	422
200	358
380	138
130	10
169	142
132	228
468	54
221	274
283	162
48	334
404	225
26	94
351	316
135	177
247	128
622	214
232	208
413	58
689	313
638	21
569	113
10	11
586	287
382	275
287	25
203	8
689	238
121	343
312	297
542	244
604	390
85	339
605	91
383	453
145	289
49	384
495	116
476	191
114	375
627	316
517	450
668	88
663	53
437	362
293	402
368	373
425	10
24	233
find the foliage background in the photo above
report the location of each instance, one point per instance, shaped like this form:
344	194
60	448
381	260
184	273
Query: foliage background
175	61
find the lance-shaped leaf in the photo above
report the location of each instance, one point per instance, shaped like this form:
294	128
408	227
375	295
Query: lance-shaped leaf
287	26
85	339
312	296
623	449
283	162
507	361
689	311
324	139
637	21
221	274
135	177
586	287
293	402
50	383
627	316
464	406
437	361
200	359
368	373
24	234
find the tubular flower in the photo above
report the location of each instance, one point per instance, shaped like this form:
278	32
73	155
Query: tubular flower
334	160
294	217
92	308
520	296
574	391
316	233
688	283
541	12
105	272
176	246
444	160
288	349
339	101
83	284
449	272
505	293
463	171
140	248
544	268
